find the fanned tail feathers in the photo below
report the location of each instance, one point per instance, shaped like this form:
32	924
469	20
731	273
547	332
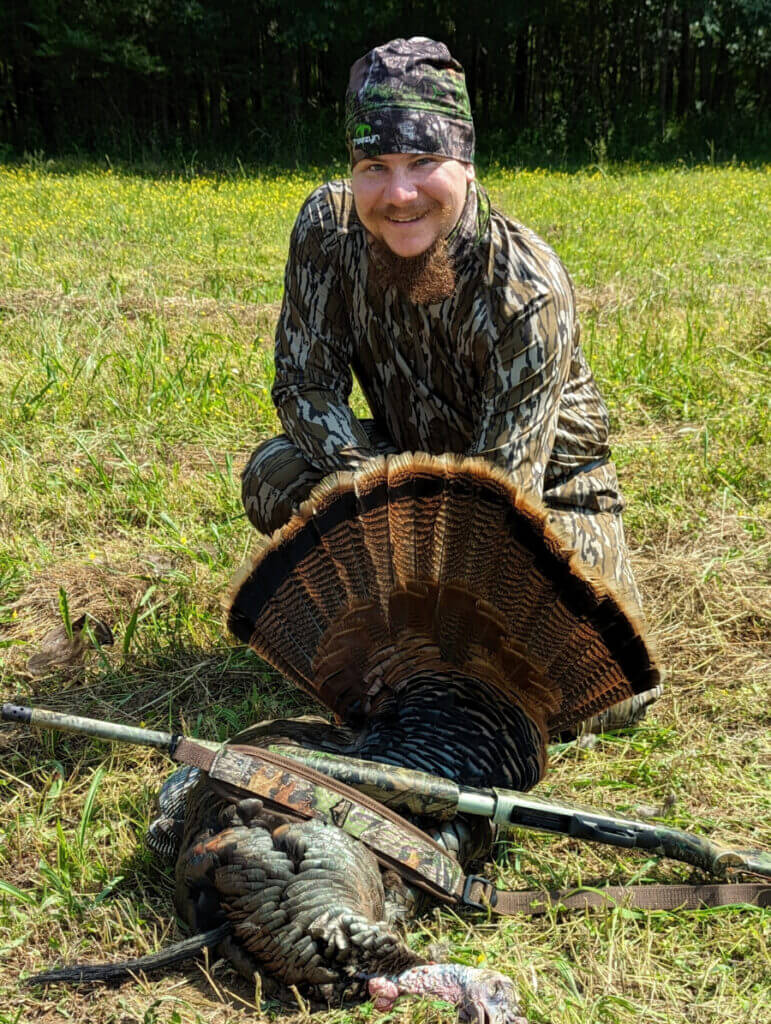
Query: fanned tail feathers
418	563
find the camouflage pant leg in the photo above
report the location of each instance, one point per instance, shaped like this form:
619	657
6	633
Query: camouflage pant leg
275	480
598	540
586	512
278	478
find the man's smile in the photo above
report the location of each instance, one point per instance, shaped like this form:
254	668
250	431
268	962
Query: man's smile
411	219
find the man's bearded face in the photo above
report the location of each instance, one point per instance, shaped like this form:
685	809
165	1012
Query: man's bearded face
409	203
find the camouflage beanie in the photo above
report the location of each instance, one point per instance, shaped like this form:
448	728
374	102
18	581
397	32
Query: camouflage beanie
408	96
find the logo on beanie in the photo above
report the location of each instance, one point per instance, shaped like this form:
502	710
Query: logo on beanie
363	135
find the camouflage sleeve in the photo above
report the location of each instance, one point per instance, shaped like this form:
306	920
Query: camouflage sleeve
521	389
313	348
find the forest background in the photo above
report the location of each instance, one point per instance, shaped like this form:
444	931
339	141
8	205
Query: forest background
264	80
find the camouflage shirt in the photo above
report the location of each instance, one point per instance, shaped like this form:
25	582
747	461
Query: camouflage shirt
496	368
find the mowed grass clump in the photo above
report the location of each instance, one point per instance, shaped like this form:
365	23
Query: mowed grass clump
137	320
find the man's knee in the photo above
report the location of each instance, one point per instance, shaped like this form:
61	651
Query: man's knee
275	480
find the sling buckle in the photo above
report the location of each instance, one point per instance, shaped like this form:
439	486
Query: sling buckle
490	894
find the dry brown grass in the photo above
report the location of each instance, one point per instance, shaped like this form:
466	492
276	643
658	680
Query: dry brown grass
200	312
603	302
709	598
104	589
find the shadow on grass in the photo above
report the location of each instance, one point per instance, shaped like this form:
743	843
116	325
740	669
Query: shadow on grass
211	691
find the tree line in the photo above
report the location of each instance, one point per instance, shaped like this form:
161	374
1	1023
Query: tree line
266	79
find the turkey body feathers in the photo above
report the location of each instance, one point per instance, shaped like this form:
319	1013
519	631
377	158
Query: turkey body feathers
306	902
309	905
417	562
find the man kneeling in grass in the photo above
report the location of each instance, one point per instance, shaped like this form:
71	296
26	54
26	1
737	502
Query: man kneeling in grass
459	323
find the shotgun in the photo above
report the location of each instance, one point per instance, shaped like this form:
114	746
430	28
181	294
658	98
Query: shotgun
420	793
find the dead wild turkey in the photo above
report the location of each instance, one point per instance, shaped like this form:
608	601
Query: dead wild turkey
427	605
430	608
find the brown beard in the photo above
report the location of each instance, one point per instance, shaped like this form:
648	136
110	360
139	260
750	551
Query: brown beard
428	277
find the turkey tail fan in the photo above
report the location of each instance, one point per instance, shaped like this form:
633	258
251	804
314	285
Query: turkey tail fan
417	564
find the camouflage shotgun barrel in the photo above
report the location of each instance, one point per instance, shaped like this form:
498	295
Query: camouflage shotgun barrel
96	727
400	788
420	793
403	789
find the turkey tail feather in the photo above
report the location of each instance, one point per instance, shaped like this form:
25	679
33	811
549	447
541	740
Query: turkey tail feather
418	563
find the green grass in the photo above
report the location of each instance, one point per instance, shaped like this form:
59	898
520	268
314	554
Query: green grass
136	319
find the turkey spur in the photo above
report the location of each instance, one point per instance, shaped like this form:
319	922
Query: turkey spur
427	604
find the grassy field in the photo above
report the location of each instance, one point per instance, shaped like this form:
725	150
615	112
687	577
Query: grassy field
136	318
